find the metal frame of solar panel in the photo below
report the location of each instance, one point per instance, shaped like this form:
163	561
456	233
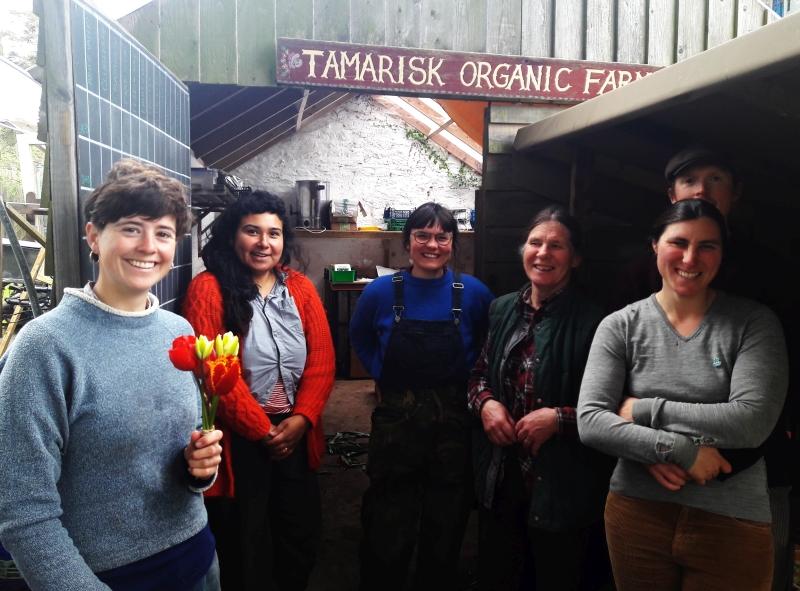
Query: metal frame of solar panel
127	105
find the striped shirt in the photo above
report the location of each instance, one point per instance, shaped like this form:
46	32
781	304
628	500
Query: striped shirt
278	403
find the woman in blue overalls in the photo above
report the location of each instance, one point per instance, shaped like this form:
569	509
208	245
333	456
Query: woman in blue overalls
419	333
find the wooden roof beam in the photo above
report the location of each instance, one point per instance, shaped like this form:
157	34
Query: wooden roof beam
421	106
302	108
441	128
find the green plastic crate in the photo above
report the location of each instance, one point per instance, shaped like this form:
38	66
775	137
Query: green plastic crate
342	276
395	225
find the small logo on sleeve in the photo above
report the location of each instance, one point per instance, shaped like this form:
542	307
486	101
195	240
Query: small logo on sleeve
716	362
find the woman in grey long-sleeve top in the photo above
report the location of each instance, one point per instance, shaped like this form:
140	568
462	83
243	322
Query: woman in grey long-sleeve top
670	379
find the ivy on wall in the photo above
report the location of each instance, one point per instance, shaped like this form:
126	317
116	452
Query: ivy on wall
463	178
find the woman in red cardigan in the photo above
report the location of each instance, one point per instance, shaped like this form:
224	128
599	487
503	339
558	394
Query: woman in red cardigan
268	526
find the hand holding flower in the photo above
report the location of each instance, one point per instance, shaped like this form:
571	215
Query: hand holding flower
204	453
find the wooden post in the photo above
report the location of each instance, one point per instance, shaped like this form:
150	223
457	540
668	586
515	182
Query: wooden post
302	109
62	145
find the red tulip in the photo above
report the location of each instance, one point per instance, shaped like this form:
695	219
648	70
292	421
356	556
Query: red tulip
222	374
183	354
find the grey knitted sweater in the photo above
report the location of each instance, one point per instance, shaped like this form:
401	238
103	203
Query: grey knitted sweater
722	386
93	422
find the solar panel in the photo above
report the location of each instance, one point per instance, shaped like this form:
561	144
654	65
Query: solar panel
127	105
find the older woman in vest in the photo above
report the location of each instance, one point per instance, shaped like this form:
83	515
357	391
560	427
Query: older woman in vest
541	491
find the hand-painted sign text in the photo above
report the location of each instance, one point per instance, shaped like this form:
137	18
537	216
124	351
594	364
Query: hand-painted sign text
448	73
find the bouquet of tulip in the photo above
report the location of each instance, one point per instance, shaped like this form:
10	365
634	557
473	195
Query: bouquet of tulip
215	367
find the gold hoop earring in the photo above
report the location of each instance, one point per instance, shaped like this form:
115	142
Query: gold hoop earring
94	257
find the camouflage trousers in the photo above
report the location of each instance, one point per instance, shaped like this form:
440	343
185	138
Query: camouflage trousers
420	469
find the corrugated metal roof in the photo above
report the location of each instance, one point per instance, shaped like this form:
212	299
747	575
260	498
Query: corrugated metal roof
231	124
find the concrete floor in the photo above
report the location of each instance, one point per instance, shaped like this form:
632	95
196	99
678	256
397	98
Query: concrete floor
349	409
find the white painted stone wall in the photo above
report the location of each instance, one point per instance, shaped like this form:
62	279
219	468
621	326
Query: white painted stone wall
362	151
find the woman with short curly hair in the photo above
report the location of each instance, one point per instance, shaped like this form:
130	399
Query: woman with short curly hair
103	462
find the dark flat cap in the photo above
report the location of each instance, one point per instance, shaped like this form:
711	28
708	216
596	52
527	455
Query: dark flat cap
695	155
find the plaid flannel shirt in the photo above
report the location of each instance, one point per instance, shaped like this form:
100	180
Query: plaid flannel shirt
517	380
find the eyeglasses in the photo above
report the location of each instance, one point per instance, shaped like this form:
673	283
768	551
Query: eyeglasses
441	239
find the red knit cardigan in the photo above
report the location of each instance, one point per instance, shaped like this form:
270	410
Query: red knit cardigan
239	411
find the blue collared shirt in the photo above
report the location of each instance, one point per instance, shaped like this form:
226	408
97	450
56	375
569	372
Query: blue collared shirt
275	343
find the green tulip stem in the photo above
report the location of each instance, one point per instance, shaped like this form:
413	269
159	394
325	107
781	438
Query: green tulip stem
207	424
202	404
214	403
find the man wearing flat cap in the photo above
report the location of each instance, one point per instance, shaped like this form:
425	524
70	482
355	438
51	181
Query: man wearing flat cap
753	271
697	172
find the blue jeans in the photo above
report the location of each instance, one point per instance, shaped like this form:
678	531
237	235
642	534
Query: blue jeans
210	582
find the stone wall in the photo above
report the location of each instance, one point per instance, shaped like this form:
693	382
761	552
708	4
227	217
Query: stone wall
362	151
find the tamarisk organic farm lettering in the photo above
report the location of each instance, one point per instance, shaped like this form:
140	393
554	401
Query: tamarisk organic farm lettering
448	73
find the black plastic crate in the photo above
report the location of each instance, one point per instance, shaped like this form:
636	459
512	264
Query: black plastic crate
243	192
390	213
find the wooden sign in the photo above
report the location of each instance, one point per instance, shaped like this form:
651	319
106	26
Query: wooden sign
396	70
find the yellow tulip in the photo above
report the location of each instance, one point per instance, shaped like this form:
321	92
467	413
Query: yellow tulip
227	344
203	347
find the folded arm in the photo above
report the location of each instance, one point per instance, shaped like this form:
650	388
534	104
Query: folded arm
759	380
599	425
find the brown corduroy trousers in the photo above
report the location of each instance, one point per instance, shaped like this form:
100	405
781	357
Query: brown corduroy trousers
657	546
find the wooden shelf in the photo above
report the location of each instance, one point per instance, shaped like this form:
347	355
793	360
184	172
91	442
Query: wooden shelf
302	233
